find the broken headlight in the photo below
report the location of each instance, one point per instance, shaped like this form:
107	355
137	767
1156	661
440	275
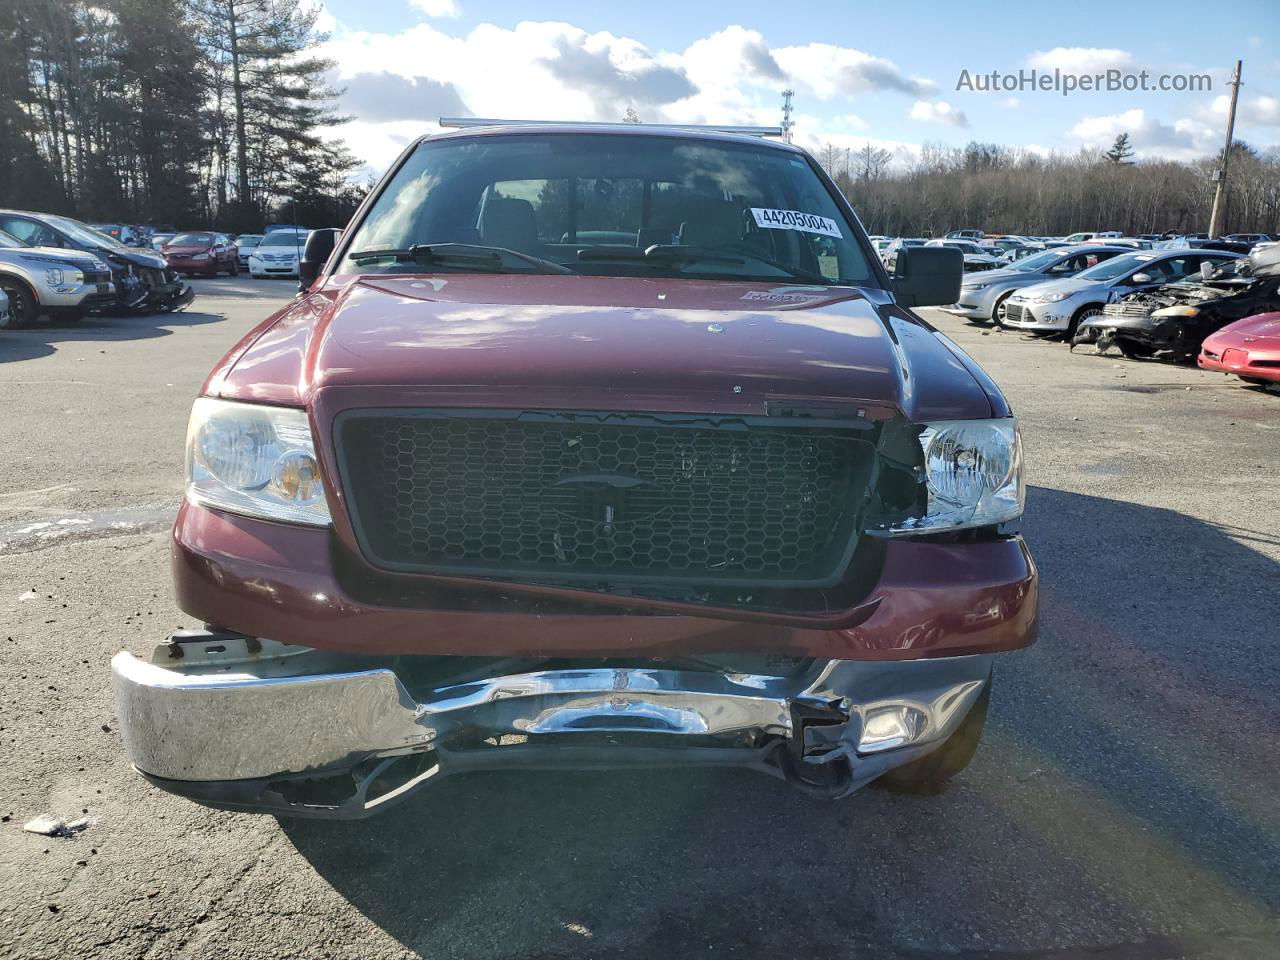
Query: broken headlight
973	471
254	460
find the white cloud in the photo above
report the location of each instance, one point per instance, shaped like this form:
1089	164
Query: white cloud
1184	139
436	8
850	120
829	71
1011	103
555	70
1259	111
1080	59
938	112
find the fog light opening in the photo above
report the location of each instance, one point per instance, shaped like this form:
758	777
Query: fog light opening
891	726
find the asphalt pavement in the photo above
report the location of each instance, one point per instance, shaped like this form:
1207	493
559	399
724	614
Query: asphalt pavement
1123	804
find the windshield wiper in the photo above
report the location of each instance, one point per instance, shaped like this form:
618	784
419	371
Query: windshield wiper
664	253
465	255
657	253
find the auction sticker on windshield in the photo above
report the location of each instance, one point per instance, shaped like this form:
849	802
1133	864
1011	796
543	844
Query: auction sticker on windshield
795	220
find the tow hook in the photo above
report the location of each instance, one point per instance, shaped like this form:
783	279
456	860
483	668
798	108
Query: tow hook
816	760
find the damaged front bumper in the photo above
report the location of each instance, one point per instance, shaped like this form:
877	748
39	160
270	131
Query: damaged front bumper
152	289
254	725
1130	334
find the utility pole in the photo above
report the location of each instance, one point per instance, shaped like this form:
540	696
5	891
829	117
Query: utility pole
786	114
1220	175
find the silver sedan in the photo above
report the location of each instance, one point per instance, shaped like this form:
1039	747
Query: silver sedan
983	294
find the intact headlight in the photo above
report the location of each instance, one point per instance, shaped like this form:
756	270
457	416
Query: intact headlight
973	469
1051	297
975	286
54	276
1177	312
255	460
200	256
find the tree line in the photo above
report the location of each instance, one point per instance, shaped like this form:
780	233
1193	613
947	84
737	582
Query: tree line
1010	190
187	112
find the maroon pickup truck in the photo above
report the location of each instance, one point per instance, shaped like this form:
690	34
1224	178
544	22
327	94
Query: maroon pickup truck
588	447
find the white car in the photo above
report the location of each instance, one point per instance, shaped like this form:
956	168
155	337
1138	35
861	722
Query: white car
1060	306
277	255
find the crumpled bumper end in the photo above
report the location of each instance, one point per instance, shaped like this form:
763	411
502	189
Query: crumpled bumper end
253	725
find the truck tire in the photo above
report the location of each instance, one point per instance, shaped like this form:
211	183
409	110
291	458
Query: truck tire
23	308
930	772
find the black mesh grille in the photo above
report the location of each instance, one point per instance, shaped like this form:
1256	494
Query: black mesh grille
632	498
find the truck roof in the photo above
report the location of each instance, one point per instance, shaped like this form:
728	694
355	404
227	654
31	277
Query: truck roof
610	129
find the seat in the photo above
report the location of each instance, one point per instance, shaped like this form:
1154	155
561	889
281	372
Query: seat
718	224
510	222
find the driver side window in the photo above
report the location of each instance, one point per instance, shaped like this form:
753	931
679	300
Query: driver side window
29	231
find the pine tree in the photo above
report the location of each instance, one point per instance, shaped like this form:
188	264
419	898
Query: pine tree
273	97
1121	150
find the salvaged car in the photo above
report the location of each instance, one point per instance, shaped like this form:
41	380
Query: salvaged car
1172	321
1249	348
976	257
588	446
202	251
1063	306
246	243
277	254
142	280
63	284
983	294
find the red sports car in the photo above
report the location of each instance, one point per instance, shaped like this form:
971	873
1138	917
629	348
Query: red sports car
202	252
1249	348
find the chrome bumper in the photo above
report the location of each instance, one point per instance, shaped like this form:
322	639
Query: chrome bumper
232	721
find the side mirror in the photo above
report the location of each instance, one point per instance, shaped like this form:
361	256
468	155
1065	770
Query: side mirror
320	244
1141	278
927	276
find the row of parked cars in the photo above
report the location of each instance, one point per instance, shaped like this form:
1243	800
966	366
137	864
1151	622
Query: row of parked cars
209	253
993	252
274	253
64	269
1217	307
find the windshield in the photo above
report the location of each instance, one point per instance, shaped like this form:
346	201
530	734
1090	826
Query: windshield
7	241
201	239
613	205
1041	261
84	234
283	238
1115	267
248	241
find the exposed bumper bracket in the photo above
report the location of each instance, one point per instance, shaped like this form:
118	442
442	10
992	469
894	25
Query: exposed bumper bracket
256	725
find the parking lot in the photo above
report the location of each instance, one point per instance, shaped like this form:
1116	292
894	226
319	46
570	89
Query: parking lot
1122	805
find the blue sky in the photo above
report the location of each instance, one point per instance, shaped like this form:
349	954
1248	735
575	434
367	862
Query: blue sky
869	72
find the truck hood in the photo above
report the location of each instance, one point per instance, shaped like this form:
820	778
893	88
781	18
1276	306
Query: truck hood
604	342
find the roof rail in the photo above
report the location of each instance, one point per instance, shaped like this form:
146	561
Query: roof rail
462	122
